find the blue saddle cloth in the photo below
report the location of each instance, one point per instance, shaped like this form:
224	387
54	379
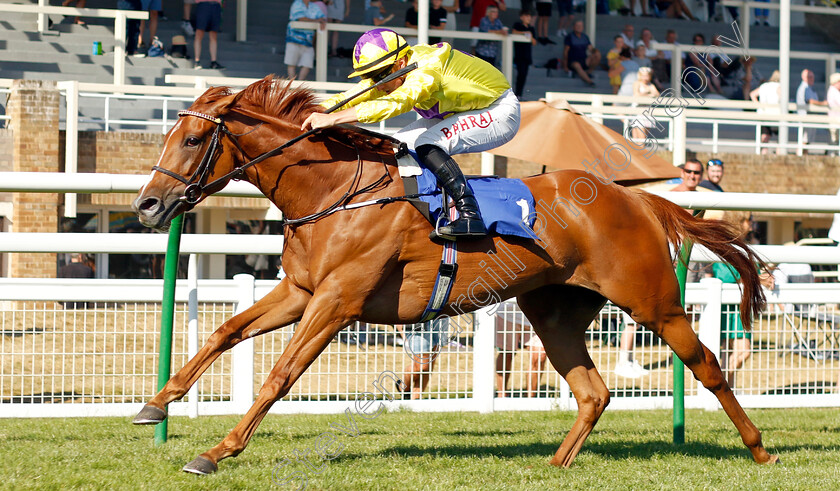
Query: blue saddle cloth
507	205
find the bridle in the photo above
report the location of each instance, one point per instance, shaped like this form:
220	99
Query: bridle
197	183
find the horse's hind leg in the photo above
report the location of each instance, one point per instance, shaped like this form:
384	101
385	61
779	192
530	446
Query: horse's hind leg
560	316
282	306
675	330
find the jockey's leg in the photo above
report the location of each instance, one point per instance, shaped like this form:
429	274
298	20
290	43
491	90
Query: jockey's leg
449	175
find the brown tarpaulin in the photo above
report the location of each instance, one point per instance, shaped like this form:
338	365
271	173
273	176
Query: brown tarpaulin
557	136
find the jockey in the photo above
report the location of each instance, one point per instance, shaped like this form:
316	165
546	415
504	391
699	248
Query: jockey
465	103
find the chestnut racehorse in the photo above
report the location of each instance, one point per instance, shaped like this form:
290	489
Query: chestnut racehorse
593	243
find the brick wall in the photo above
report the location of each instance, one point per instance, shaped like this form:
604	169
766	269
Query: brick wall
33	109
134	153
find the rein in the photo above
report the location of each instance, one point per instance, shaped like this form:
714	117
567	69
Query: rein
197	186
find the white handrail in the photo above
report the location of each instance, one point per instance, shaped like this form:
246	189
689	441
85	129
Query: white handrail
321	42
57	182
119	17
142	243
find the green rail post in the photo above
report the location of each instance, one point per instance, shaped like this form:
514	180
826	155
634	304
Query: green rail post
167	316
679	367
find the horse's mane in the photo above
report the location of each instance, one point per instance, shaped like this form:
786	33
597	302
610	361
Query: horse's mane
277	97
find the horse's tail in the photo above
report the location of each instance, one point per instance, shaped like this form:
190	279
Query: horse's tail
719	237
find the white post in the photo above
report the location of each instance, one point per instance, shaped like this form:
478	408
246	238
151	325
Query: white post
745	23
597	103
71	141
242	383
591	10
784	70
484	365
488	164
679	138
241	21
507	59
43	23
676	70
321	42
119	49
192	330
422	21
710	334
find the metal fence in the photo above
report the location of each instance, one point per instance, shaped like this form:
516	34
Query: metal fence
89	347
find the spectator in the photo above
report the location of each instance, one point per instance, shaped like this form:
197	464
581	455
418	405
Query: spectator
613	60
640	58
80	4
437	17
833	101
543	16
522	51
422	344
627	367
738	342
692	172
300	52
805	96
762	14
645	40
186	24
132	26
662	63
488	50
452	7
374	15
714	169
153	6
727	69
696	79
674	9
337	10
628	70
78	267
479	9
566	11
643	87
208	18
714	16
513	331
579	54
644	4
627	34
768	93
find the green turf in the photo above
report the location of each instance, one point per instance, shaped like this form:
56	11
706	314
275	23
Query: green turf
405	450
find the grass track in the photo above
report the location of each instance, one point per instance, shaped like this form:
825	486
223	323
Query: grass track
404	450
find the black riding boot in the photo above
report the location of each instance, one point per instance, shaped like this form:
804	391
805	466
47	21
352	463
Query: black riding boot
469	224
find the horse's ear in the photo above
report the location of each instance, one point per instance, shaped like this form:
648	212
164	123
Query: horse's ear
234	100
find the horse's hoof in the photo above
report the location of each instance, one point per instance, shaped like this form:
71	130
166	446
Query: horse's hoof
149	415
201	466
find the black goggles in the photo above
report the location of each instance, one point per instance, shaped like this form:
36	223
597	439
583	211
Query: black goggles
714	163
378	75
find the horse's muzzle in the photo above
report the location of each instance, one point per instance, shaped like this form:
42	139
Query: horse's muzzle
150	211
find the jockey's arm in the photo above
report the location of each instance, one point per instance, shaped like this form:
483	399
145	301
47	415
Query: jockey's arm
324	120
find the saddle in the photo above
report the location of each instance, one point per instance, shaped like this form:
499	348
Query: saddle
507	205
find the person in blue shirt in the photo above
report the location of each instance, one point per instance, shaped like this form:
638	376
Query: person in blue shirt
300	52
579	55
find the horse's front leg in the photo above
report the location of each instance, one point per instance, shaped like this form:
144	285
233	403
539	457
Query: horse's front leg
282	306
326	314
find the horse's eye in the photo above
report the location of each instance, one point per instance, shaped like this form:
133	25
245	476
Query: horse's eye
192	141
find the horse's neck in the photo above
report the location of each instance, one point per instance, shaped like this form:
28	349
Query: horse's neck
309	177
